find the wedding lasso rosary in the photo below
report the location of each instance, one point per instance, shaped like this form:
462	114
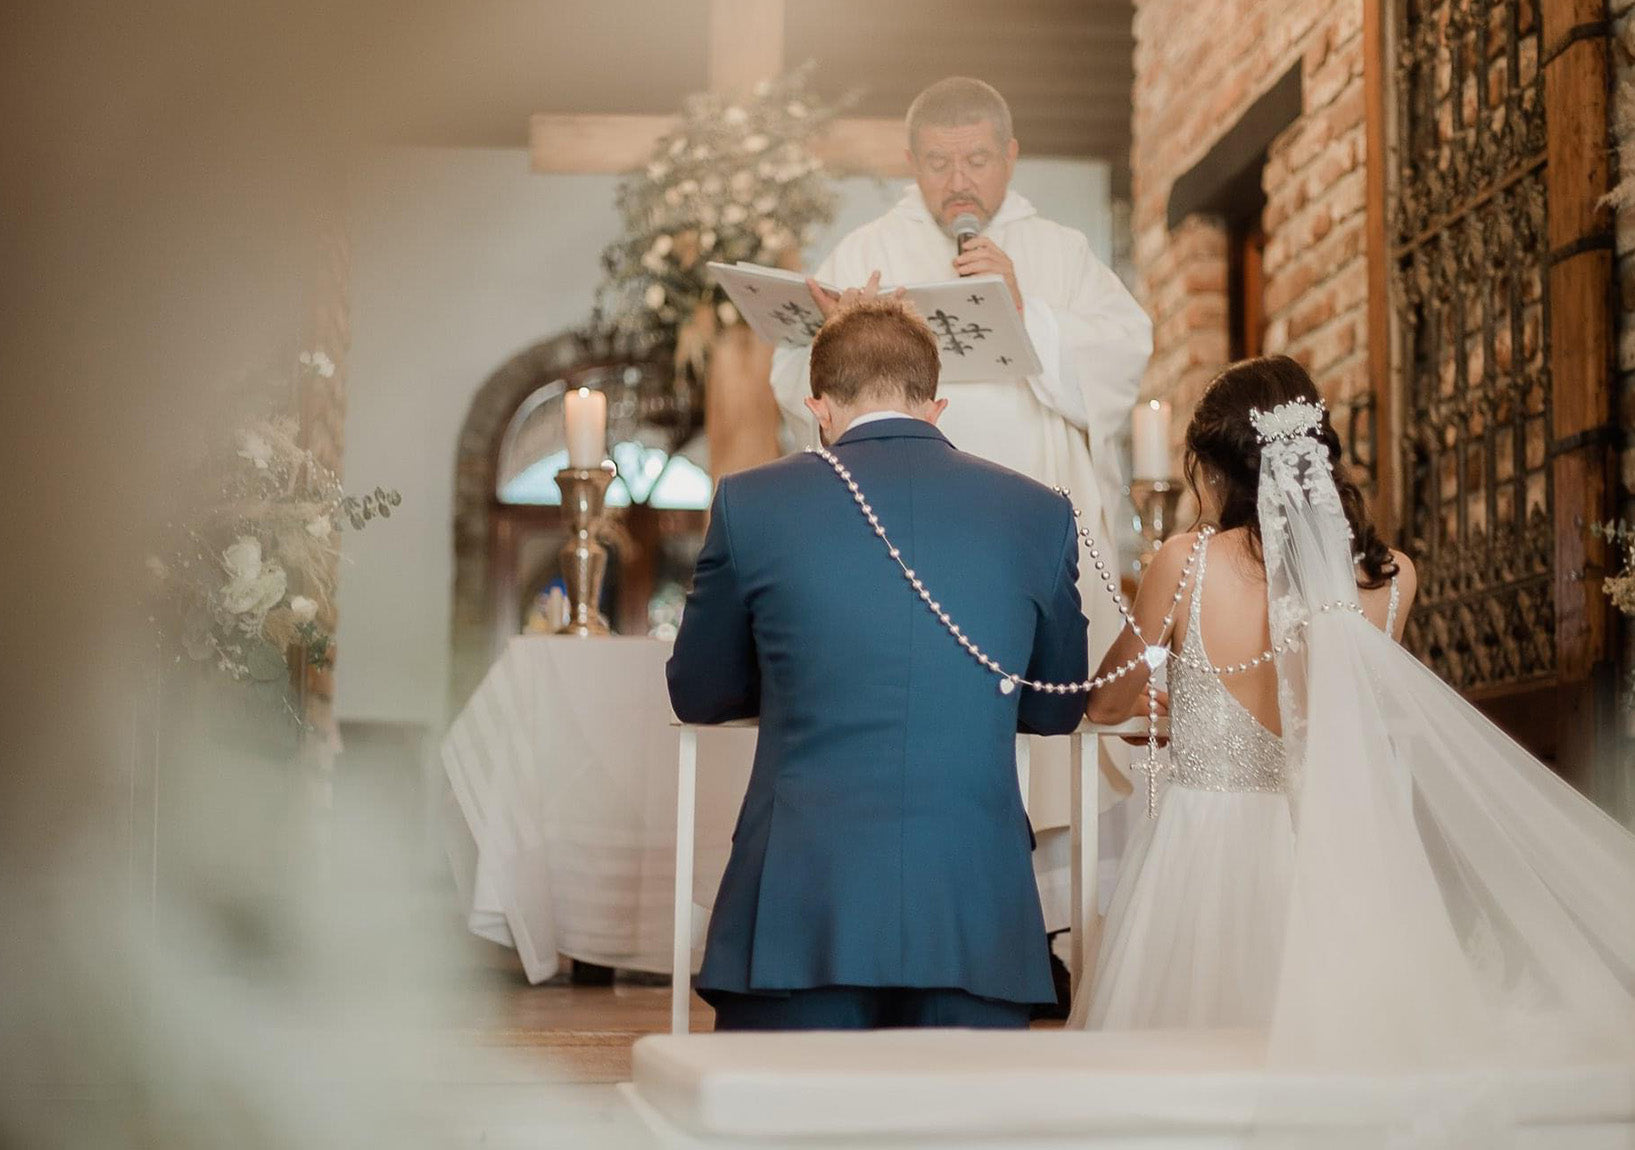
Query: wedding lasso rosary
1154	654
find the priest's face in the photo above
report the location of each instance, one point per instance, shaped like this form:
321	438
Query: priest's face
962	169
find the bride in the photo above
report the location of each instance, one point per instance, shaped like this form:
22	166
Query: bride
1192	935
1347	857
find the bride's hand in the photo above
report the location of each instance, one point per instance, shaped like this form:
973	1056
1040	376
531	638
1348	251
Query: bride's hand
1139	711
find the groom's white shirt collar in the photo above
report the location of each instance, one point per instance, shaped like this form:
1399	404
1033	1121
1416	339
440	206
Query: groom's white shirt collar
876	417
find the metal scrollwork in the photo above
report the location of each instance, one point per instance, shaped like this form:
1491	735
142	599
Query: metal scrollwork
1468	287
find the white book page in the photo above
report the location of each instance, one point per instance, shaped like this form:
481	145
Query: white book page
980	334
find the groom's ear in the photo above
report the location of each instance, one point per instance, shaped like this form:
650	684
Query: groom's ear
818	405
934	410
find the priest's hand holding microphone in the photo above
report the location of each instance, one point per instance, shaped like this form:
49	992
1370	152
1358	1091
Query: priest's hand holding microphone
979	255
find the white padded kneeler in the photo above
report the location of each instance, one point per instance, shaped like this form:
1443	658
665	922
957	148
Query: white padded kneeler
1036	1088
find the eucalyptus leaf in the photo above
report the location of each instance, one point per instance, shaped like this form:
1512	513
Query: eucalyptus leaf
265	662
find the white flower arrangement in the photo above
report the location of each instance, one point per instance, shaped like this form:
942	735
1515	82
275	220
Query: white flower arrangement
254	585
247	583
734	181
1619	587
319	363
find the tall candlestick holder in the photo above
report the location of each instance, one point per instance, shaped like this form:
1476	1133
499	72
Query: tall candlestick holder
1156	503
584	559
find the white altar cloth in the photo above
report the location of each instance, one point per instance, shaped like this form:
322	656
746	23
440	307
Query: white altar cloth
563	765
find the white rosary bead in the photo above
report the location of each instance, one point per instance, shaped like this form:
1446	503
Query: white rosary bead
1009	682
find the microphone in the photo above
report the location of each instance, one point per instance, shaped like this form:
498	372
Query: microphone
966	228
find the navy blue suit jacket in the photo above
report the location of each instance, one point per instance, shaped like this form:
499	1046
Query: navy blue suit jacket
882	841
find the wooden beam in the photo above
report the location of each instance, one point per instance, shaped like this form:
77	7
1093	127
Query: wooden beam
1576	178
746	44
593	143
1381	379
615	144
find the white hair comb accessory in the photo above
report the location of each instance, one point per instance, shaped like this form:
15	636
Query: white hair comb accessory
1288	420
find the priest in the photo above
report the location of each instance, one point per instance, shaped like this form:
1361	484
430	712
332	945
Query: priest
1092	339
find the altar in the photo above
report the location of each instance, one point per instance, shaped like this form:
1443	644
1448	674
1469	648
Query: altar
563	768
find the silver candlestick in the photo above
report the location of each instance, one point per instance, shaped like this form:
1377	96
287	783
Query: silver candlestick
584	559
1156	502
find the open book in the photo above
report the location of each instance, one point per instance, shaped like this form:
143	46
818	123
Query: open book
979	331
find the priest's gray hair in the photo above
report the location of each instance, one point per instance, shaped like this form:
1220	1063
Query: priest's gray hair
955	102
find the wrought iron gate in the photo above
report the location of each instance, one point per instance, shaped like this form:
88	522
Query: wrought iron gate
1469	262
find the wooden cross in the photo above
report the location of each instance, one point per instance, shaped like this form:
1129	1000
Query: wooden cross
746	46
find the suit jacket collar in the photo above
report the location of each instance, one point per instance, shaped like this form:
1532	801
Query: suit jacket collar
891	429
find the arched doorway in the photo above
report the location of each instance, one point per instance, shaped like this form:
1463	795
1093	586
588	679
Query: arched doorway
508	524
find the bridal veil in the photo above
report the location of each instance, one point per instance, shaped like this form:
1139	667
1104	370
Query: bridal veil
1459	915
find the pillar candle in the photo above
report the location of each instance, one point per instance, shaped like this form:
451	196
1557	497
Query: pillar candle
1149	428
587	428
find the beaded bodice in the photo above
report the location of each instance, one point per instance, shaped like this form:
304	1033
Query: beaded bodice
1215	743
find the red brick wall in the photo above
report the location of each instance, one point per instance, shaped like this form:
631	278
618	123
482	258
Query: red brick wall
1198	68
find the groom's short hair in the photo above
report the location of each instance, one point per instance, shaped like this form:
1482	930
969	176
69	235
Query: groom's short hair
875	349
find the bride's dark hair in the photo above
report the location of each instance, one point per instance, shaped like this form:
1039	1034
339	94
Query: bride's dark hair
1222	445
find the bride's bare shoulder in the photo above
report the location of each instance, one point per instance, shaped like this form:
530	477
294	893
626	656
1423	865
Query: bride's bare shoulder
1172	554
1163	574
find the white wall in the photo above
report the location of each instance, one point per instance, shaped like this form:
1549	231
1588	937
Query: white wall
460	259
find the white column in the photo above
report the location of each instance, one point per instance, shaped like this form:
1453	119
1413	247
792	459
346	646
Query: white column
681	958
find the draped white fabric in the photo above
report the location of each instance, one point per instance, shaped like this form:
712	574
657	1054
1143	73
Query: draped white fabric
563	764
1458	915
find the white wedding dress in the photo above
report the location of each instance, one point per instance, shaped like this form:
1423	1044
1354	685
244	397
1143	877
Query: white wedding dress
1195	928
1393	898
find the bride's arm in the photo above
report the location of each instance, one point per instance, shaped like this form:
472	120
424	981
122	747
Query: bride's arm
1126	695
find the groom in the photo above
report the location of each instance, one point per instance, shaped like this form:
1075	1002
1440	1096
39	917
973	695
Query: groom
880	872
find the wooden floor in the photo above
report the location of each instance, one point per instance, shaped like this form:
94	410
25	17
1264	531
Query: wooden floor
584	1032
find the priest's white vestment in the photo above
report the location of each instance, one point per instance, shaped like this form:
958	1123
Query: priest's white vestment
1059	427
